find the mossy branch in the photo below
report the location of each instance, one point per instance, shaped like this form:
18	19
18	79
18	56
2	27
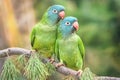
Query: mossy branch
62	69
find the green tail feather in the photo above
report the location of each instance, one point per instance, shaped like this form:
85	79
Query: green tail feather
35	69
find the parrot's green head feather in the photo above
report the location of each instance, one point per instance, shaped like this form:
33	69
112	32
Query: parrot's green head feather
68	25
54	14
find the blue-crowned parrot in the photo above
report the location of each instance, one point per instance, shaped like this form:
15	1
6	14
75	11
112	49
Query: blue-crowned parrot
43	34
69	47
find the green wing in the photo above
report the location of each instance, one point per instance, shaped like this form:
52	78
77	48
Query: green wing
32	37
81	47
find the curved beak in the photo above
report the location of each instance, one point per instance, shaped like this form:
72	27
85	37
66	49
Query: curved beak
76	25
62	14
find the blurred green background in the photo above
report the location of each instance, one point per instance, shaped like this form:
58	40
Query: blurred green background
99	28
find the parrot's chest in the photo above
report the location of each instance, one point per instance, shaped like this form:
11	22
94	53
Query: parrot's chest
69	53
68	43
68	46
46	37
44	41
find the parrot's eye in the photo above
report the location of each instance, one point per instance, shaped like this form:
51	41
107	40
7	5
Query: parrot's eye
67	23
54	11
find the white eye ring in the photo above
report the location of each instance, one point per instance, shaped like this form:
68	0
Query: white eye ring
54	11
67	23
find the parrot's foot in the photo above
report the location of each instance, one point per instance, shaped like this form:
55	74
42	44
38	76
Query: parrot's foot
51	60
79	73
33	51
59	64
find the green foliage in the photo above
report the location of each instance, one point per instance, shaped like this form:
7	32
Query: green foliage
53	74
10	72
24	69
21	59
87	74
35	69
21	63
50	68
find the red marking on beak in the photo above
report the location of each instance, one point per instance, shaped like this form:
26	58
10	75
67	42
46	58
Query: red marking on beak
62	14
76	25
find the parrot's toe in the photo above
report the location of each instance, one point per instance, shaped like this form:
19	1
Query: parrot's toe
79	73
51	60
33	51
59	64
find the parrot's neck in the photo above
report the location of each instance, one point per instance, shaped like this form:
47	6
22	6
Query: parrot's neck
45	20
67	35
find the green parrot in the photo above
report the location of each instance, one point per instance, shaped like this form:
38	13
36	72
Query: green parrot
43	34
69	47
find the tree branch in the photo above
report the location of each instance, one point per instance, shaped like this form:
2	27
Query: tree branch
62	69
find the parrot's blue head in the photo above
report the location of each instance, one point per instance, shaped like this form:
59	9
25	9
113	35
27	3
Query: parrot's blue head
68	25
55	13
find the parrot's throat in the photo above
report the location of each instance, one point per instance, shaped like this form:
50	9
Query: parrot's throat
66	34
53	21
50	20
73	30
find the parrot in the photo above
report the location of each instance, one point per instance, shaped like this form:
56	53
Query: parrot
69	48
43	34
